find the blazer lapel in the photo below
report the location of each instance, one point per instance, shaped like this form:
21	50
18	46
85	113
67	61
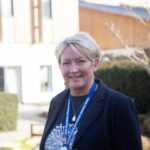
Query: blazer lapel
92	112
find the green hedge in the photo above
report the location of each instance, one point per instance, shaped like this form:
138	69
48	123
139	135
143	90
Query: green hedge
126	77
8	111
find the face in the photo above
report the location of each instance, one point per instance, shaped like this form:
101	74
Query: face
77	71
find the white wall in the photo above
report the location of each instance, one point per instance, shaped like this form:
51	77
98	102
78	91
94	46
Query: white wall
8	33
47	31
19	28
64	21
30	58
65	17
22	18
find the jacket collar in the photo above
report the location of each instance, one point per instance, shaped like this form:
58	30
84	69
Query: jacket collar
92	112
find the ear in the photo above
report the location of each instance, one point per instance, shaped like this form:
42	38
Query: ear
96	63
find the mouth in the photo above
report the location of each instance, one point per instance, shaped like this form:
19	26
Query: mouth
75	77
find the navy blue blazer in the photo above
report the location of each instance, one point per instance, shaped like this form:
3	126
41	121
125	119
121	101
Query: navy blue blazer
110	121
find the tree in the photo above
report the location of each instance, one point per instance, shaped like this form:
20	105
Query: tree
136	54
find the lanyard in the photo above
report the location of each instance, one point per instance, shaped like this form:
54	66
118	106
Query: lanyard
74	127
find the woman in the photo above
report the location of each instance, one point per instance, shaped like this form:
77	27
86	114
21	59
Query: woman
88	115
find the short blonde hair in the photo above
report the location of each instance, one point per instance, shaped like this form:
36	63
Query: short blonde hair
82	42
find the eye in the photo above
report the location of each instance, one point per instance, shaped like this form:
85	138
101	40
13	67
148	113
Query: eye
81	61
65	63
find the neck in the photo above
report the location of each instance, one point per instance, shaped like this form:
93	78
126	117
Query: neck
82	91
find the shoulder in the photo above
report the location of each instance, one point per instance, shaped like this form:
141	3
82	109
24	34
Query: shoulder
57	101
60	97
113	97
121	104
119	97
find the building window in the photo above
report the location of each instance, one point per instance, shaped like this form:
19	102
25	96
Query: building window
12	79
1	79
7	8
46	78
46	8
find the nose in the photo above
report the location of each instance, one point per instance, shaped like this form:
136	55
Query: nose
73	68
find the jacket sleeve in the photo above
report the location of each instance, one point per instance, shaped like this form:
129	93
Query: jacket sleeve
50	113
46	125
126	126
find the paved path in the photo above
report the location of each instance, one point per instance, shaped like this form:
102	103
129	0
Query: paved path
28	113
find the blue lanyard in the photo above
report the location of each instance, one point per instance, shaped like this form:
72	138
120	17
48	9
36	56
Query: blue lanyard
74	127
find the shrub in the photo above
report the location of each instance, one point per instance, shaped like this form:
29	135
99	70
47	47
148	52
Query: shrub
146	126
147	51
126	77
8	111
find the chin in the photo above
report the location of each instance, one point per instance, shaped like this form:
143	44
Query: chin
76	87
76	84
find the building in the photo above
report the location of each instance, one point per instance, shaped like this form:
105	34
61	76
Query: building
115	26
29	31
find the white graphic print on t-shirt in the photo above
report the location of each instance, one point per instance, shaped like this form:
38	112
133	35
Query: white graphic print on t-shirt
55	139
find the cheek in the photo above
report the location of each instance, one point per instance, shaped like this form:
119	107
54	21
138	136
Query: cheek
89	70
90	73
64	71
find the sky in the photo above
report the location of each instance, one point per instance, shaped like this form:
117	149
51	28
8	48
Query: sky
141	3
